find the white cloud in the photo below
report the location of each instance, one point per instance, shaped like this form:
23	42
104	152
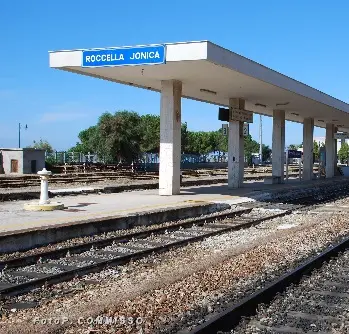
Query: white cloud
51	117
65	112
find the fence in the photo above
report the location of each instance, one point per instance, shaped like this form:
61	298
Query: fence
61	158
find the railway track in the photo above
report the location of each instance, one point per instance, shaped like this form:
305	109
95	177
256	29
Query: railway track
317	304
66	179
21	182
26	273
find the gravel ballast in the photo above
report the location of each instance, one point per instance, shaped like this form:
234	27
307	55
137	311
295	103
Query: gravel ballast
318	303
116	233
179	288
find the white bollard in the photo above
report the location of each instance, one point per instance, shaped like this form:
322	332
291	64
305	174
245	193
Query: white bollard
44	175
44	203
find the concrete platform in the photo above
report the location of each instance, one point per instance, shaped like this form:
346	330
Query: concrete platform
28	193
90	213
81	207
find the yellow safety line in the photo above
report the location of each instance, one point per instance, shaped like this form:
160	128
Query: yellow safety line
104	213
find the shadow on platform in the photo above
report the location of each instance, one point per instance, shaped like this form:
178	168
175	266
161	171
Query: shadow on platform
253	188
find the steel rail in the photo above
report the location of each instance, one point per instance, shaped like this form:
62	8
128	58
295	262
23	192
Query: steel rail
15	289
225	321
79	271
57	253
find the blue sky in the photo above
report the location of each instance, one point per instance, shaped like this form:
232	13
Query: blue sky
306	40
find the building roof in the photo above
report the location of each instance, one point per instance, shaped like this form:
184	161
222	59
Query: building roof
22	149
213	74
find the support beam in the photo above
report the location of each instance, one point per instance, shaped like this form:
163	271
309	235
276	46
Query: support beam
278	148
308	148
236	148
335	158
330	147
170	137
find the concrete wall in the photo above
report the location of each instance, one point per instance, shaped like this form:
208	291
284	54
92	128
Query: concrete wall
28	156
12	155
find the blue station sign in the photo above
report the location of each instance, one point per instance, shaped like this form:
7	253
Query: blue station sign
142	55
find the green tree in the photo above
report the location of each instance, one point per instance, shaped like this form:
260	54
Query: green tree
266	152
222	141
343	153
43	145
88	141
250	146
125	134
293	147
184	138
119	136
150	133
77	148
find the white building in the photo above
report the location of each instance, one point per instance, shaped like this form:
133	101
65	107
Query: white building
21	160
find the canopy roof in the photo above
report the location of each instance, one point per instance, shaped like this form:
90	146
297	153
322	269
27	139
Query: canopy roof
213	74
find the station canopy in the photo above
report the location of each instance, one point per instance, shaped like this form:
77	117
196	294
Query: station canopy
209	73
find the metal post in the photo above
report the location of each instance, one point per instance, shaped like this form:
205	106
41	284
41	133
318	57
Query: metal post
300	169
19	133
260	140
286	165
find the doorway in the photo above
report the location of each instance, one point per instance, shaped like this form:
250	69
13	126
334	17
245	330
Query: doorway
33	166
14	166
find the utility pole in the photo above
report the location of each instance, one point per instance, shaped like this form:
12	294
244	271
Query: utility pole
260	140
19	134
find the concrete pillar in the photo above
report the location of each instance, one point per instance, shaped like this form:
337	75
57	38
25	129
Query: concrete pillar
335	160
170	137
278	147
330	146
308	148
236	148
